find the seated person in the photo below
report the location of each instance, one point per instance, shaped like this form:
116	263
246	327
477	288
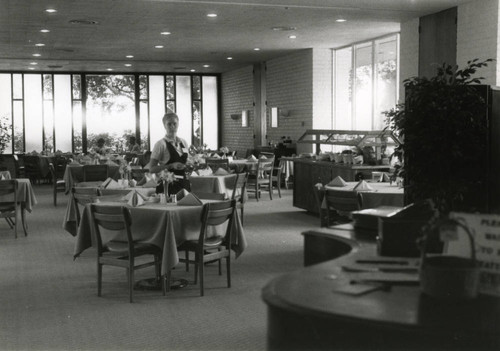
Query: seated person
100	148
133	146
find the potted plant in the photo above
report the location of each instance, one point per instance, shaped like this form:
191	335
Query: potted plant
5	138
443	129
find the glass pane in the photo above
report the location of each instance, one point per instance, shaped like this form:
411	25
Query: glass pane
17	81
77	86
363	87
171	105
77	126
385	79
6	105
343	89
47	87
33	118
48	123
156	108
196	137
62	112
110	110
18	127
196	88
183	90
144	121
143	87
170	87
210	112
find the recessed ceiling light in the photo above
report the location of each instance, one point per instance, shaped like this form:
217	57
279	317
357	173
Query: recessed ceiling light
159	47
129	56
211	15
192	70
50	10
85	22
229	58
283	28
340	20
206	66
165	33
31	68
109	69
33	63
37	55
44	30
128	65
40	44
292	36
256	49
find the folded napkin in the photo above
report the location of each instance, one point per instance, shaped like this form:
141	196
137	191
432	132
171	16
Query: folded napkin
262	157
150	184
221	171
252	158
3	177
216	156
194	174
189	200
205	172
134	198
113	184
362	185
181	194
337	181
106	183
123	183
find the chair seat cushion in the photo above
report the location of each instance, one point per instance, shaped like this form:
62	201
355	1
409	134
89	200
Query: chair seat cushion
121	248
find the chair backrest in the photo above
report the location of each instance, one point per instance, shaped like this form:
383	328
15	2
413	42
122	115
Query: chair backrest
344	201
210	196
82	197
9	187
214	214
115	218
267	154
265	167
60	164
32	166
92	173
216	163
10	163
53	173
240	183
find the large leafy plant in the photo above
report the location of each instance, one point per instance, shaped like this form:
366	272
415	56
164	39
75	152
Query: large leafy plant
5	133
443	128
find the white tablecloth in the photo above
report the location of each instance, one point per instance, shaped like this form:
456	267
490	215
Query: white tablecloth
25	194
213	184
383	194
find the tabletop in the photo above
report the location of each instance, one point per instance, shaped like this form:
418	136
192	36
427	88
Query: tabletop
163	225
74	174
25	194
383	194
220	184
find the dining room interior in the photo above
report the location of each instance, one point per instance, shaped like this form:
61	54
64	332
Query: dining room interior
249	174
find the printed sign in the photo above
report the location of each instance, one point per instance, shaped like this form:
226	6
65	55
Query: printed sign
485	228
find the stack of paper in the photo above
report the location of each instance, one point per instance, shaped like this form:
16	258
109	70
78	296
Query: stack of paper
189	200
337	181
134	198
363	186
221	171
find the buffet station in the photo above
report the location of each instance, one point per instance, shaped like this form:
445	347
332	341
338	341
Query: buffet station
351	154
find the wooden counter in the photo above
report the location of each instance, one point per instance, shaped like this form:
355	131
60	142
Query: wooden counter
308	172
305	313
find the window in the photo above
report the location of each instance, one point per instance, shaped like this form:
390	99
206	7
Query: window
365	78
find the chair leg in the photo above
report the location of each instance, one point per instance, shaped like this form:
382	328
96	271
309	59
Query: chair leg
242	215
99	278
257	189
220	264
186	256
166	282
228	266
23	220
278	185
131	281
16	220
55	197
271	189
201	268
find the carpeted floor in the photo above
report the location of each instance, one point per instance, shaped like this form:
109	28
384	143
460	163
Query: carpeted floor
49	302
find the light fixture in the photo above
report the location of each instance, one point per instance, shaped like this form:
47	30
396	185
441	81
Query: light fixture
256	49
192	70
165	33
31	68
340	20
158	46
50	10
37	55
40	44
229	58
109	69
128	65
206	66
283	28
33	63
44	30
293	36
129	56
211	15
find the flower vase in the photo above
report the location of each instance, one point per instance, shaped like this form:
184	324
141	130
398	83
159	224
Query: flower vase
165	189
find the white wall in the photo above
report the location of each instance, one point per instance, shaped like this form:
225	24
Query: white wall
408	57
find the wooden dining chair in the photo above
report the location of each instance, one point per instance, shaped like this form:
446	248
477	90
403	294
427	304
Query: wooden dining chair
239	192
121	253
276	176
216	163
11	208
32	168
260	178
212	248
82	197
94	173
58	184
340	204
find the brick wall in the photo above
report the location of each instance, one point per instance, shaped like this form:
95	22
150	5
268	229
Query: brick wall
478	35
408	57
237	95
290	86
